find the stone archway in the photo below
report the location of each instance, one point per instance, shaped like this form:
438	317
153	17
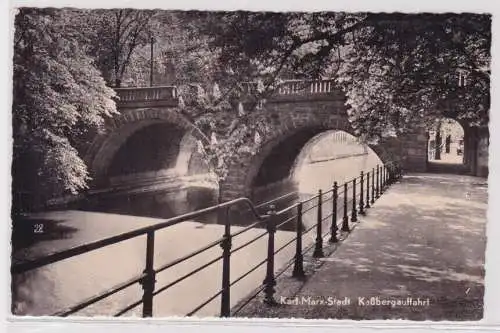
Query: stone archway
291	129
475	148
168	126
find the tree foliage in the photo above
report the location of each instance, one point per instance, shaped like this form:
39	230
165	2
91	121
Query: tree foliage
114	37
59	96
396	69
227	128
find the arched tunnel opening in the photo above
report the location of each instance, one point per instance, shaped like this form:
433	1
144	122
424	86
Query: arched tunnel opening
448	147
307	161
152	148
156	171
313	159
278	163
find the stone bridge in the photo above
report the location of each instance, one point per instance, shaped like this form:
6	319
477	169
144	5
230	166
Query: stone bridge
150	141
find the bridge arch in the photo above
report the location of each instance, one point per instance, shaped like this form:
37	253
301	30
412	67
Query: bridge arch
162	135
280	148
343	145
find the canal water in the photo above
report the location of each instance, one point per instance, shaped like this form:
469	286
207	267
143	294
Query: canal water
54	287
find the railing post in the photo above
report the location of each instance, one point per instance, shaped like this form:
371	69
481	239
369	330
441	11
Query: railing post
386	183
361	194
270	280
377	190
389	172
382	182
298	268
345	218
318	248
372	201
333	228
367	205
385	176
382	179
354	215
225	306
148	282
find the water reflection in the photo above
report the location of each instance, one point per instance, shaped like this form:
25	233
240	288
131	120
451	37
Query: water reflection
158	204
307	177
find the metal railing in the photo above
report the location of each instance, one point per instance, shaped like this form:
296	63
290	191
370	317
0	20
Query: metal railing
343	197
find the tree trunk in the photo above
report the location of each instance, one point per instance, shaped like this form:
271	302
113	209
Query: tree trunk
221	213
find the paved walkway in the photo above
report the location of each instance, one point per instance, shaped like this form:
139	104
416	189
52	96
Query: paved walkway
420	249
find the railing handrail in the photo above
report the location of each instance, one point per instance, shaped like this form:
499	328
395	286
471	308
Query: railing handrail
57	256
144	88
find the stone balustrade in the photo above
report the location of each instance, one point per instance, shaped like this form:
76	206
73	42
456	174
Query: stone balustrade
147	96
293	87
168	94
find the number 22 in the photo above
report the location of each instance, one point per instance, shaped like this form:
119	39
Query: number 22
38	228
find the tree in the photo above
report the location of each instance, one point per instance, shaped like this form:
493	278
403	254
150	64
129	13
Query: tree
396	69
225	130
59	99
114	36
181	55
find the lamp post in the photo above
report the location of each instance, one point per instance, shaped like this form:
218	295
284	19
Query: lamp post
152	40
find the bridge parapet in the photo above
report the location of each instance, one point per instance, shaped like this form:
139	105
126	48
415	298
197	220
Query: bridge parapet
302	87
147	96
167	95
